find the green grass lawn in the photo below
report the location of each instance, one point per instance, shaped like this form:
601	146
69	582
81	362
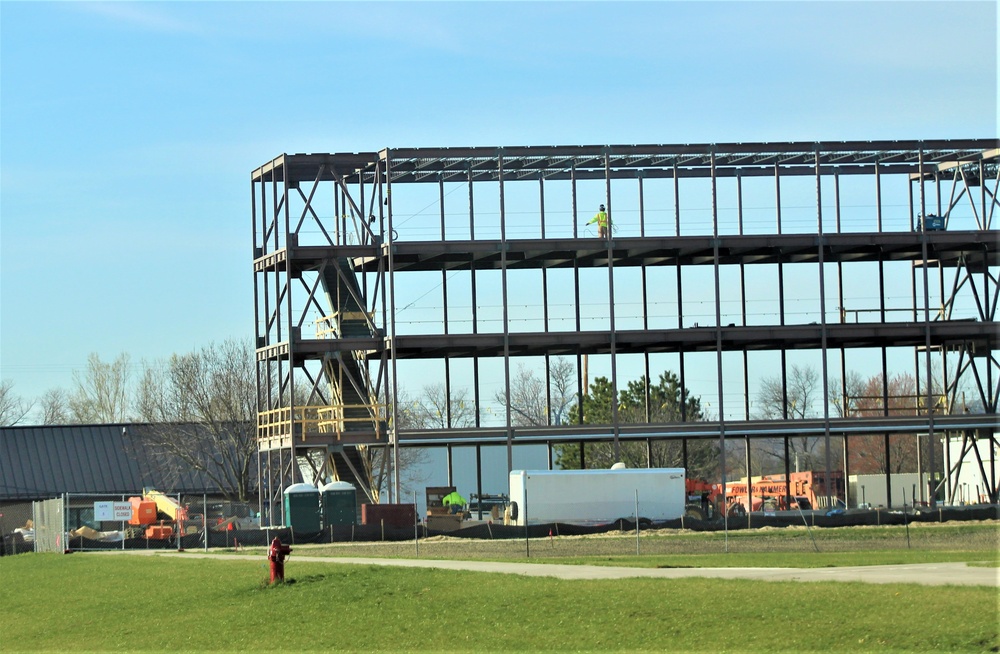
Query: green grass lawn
86	602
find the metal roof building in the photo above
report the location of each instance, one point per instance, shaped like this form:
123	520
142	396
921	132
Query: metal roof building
42	462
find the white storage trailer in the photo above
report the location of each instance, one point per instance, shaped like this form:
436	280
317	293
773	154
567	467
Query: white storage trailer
596	496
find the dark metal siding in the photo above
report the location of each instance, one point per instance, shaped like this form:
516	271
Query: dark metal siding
39	462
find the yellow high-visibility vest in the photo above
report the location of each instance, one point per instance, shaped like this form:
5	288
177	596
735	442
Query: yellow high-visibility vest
601	219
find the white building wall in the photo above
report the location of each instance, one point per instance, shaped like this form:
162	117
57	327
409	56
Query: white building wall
871	489
967	484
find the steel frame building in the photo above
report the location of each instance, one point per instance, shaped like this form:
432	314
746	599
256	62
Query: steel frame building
340	238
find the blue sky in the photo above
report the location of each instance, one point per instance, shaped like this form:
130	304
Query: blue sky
128	130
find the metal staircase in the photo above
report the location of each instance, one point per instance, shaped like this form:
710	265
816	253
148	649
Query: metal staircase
354	407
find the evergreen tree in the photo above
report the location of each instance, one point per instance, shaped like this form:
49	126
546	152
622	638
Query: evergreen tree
664	405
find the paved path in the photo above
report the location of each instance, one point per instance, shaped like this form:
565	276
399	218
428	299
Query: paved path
931	574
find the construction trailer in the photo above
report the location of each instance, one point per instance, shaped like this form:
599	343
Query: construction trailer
596	496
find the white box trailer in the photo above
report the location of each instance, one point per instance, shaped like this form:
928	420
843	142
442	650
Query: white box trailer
596	496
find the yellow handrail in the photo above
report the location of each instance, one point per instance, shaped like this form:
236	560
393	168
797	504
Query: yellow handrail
330	324
316	419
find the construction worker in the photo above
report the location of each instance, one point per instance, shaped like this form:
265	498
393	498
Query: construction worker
602	222
454	502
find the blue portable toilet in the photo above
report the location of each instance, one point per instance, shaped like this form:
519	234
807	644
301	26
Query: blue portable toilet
302	512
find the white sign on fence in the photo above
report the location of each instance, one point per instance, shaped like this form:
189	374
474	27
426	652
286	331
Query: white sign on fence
118	511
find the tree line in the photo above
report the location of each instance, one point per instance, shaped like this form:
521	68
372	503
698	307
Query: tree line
798	396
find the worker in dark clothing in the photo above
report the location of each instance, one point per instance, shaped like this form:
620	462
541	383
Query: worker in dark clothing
602	222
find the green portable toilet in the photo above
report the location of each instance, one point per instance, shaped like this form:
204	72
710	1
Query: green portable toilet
340	504
302	508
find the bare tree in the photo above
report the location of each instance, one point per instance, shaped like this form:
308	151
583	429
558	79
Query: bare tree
795	399
204	407
54	407
434	409
150	405
101	394
876	454
562	386
842	396
377	462
530	404
527	398
13	408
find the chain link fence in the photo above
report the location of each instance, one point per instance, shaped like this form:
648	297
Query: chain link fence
969	529
76	522
17	528
965	528
81	522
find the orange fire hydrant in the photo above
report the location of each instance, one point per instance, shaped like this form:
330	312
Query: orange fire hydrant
276	555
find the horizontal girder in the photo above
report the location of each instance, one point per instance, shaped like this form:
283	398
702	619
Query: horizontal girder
918	424
947	248
629	161
971	334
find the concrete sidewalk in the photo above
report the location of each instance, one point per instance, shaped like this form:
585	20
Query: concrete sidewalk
930	574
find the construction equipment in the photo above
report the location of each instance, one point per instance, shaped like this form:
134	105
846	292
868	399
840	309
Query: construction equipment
802	490
439	515
491	506
702	499
162	515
